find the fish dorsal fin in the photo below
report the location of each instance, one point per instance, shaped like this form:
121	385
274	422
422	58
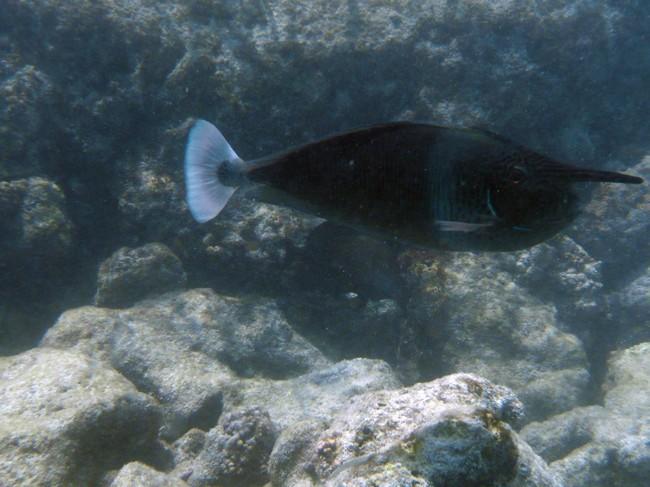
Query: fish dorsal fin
493	135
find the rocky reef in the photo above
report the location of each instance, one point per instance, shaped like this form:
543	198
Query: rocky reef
270	348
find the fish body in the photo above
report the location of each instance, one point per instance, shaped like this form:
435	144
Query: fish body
432	186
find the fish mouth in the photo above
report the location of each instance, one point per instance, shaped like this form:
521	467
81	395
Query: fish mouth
576	174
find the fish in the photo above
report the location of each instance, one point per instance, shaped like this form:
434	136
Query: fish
431	186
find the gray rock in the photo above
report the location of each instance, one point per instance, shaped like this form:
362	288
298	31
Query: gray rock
136	474
186	448
130	275
603	445
451	431
37	239
66	419
615	225
34	225
628	381
630	310
316	396
346	326
182	348
249	246
559	435
236	451
27	95
561	272
484	322
310	399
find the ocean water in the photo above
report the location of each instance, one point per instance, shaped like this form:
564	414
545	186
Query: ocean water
270	346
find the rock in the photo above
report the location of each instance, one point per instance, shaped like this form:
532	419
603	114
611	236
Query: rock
67	419
480	320
562	272
451	431
249	247
345	326
36	231
37	241
339	260
628	382
130	275
603	445
615	224
316	396
187	448
27	95
236	452
185	348
559	435
136	474
630	309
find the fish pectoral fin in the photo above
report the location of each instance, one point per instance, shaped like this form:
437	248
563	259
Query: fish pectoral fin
453	226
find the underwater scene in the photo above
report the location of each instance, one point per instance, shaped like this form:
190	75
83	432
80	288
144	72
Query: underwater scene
302	243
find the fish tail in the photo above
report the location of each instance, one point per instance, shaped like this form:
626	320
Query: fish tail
212	171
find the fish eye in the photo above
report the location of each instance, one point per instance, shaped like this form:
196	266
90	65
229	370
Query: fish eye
517	175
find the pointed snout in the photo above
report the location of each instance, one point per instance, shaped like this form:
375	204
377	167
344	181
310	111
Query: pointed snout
576	174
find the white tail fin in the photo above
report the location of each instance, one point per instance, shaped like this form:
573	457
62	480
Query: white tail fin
206	151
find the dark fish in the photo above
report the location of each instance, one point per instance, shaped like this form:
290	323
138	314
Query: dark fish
448	188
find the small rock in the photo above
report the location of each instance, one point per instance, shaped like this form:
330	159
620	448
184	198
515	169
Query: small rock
130	275
136	474
35	231
236	452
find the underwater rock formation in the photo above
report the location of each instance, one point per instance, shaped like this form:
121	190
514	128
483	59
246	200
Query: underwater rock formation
235	452
36	234
481	321
130	275
603	445
37	242
66	419
136	474
319	395
97	98
186	348
630	307
100	95
27	99
452	431
615	225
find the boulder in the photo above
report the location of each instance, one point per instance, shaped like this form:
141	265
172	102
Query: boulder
630	310
452	431
316	396
186	348
37	242
603	445
477	318
615	223
66	419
